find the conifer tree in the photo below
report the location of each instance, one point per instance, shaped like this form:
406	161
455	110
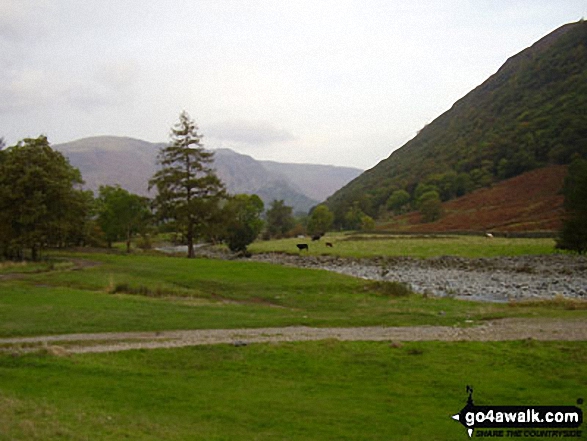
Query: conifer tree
188	189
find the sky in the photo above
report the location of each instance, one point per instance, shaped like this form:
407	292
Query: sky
337	82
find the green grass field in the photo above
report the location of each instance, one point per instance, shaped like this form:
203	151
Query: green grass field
291	391
325	390
149	293
369	245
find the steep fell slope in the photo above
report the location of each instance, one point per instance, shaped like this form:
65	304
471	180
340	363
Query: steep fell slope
529	202
531	113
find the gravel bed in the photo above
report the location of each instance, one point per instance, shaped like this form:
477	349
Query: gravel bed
498	279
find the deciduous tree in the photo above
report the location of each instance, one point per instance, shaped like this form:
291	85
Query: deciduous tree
121	214
41	203
398	200
244	223
321	220
279	219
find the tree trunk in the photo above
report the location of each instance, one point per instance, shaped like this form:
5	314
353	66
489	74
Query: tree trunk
190	239
128	242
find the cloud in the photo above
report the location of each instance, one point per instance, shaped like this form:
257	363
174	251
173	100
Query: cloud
256	133
22	19
110	84
23	89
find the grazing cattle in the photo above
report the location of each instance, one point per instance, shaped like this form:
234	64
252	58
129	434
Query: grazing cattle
303	246
489	235
328	244
316	237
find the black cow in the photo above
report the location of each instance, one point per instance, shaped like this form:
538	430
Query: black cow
303	246
316	237
328	244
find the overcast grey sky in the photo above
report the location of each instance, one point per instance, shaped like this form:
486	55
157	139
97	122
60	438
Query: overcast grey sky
324	81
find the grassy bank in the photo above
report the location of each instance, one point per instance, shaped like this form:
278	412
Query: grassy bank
288	391
149	293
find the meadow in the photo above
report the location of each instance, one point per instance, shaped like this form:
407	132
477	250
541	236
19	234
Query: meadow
421	246
323	390
287	391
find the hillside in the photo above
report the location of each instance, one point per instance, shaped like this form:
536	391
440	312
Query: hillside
130	163
530	114
530	202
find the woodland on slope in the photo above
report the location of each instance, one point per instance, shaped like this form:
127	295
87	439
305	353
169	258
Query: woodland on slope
530	114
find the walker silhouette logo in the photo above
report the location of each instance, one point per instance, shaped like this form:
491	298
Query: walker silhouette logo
520	421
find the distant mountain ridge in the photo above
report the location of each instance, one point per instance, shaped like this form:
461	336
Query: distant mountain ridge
130	163
531	113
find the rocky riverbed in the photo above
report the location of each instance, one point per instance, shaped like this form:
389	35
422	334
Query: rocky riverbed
488	279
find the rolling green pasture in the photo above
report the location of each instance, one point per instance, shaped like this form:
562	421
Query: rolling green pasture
325	390
289	391
371	245
152	293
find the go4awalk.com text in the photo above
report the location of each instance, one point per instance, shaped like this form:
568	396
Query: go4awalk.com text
520	421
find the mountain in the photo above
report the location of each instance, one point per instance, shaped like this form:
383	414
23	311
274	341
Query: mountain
110	160
530	114
315	181
243	174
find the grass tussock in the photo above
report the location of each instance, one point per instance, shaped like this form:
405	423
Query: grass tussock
142	290
557	302
389	289
9	264
25	266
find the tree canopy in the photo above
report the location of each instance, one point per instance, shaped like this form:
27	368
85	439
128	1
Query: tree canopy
41	202
573	235
320	221
121	214
280	219
243	221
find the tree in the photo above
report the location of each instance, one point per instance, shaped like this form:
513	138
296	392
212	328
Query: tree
398	200
121	214
321	220
430	206
188	190
354	217
40	200
573	234
244	221
279	219
422	189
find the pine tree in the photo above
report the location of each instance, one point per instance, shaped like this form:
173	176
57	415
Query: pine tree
188	189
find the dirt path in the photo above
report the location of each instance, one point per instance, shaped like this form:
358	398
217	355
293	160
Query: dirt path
496	330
